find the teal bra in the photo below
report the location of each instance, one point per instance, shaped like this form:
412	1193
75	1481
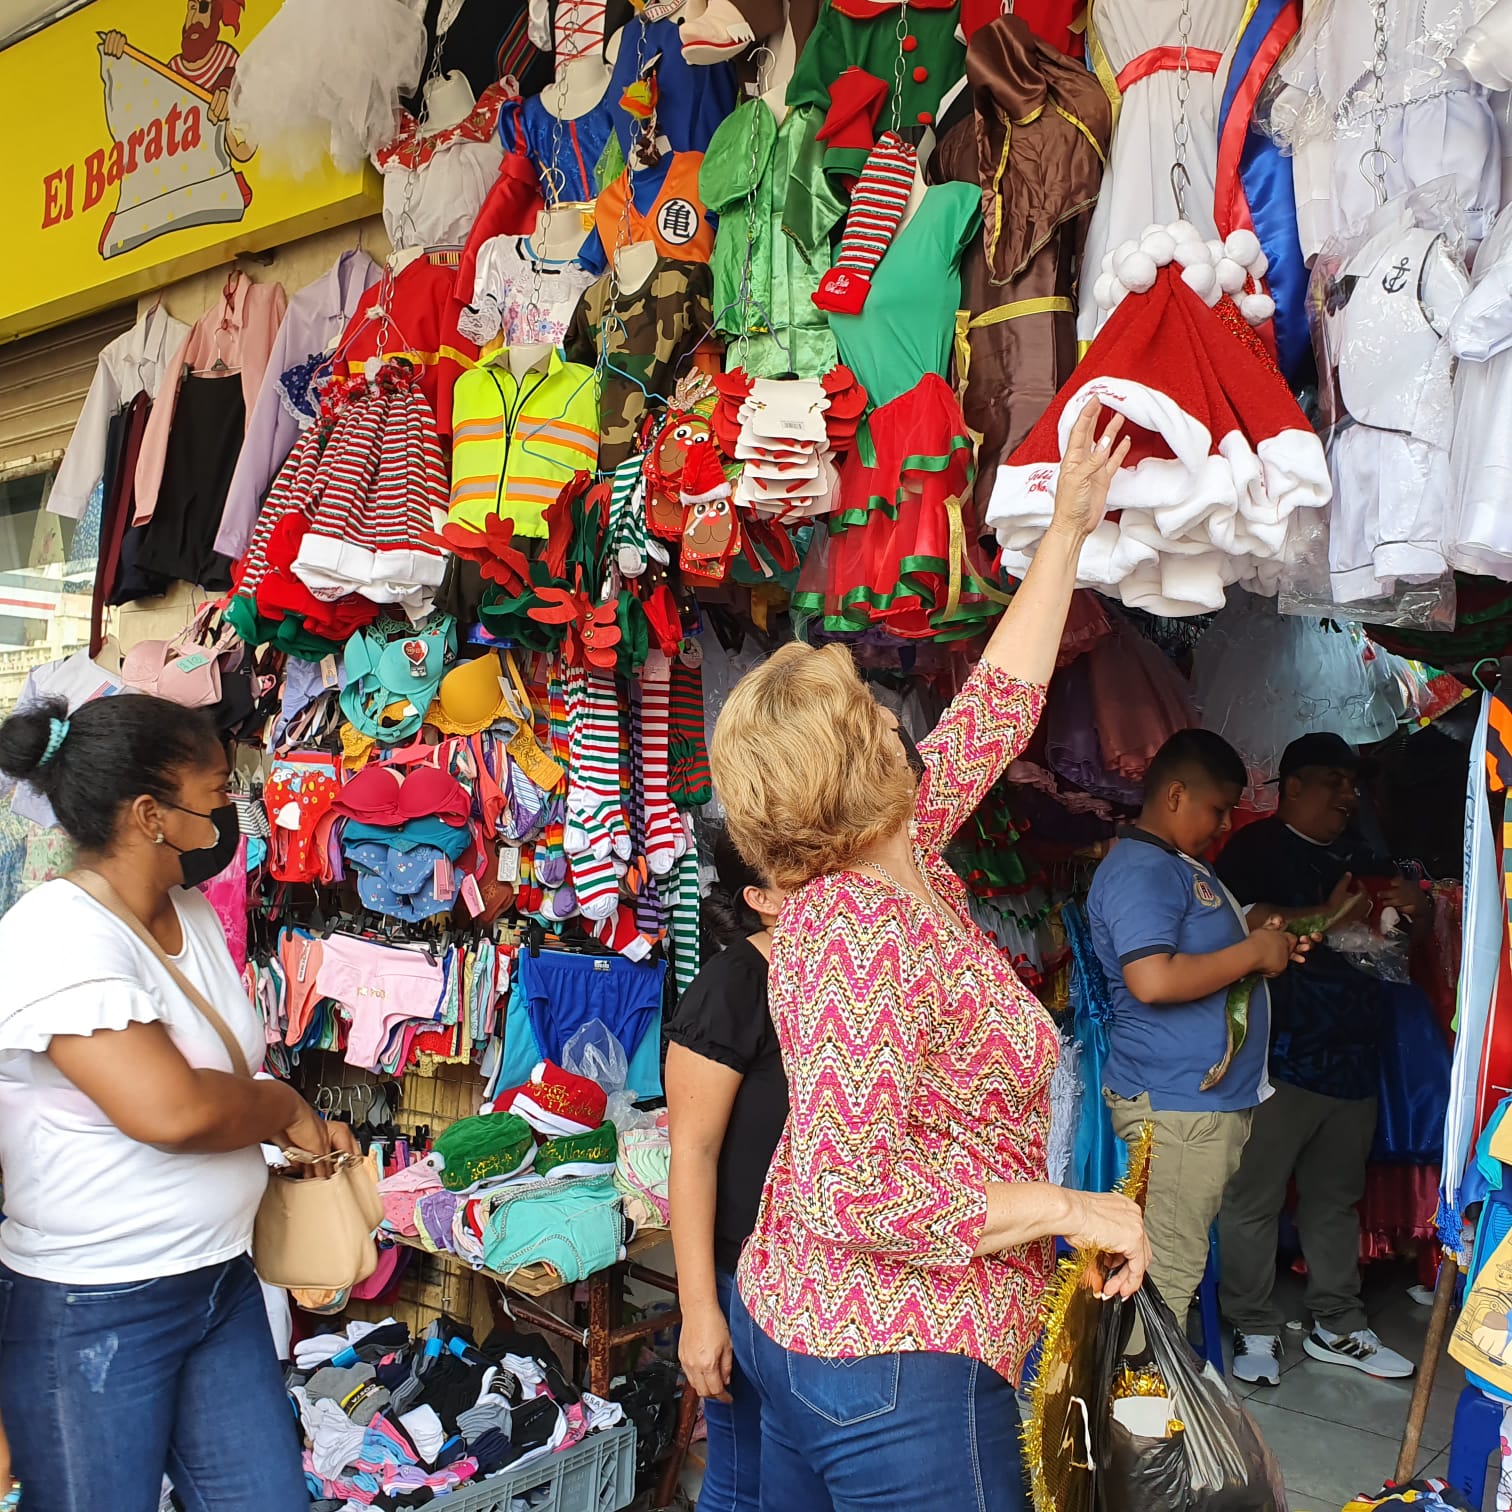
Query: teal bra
406	670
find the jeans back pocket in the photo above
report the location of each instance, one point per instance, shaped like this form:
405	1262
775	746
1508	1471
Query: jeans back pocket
844	1392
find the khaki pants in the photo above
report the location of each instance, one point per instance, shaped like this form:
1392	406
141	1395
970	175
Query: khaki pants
1325	1142
1193	1158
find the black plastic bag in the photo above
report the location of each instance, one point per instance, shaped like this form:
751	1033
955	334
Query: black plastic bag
651	1398
1215	1462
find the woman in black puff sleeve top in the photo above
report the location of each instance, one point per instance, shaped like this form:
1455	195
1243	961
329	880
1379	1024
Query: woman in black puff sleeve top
727	1097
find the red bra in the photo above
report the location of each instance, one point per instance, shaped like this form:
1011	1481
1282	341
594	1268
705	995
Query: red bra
384	795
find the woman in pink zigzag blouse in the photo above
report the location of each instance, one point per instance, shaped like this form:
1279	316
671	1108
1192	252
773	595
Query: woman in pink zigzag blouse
890	1290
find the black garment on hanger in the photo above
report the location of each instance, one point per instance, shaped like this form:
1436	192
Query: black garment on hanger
208	424
120	571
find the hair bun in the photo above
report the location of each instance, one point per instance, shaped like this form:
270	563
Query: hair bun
25	736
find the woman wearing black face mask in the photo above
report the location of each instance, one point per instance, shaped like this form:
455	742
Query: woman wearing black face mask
133	1336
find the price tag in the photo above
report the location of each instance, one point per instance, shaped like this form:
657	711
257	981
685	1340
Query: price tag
328	676
471	897
444	881
690	653
192	662
509	863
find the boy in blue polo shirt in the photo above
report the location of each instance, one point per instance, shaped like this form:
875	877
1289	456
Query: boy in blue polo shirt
1171	942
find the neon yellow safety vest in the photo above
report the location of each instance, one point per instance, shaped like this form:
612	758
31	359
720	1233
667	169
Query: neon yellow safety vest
516	441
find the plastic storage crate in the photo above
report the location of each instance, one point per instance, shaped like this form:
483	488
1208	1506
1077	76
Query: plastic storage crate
597	1475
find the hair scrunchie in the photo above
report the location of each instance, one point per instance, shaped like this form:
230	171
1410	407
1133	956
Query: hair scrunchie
56	735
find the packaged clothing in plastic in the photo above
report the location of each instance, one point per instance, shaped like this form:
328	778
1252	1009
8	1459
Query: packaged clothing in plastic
1484	50
1435	122
1261	679
1382	296
1478	528
1196	1448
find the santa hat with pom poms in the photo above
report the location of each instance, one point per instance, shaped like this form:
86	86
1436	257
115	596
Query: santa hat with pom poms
1210	269
1221	455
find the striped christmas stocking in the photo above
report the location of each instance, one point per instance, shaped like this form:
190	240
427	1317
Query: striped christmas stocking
666	841
692	786
876	210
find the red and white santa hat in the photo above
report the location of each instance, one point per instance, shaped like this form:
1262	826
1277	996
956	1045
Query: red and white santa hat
703	477
1221	455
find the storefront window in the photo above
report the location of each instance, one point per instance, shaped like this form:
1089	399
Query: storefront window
47	567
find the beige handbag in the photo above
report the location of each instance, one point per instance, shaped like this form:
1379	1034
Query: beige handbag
311	1231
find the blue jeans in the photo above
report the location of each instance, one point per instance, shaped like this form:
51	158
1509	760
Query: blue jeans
103	1389
732	1479
910	1432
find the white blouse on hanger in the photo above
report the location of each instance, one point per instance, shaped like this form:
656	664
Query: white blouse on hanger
434	184
508	305
134	363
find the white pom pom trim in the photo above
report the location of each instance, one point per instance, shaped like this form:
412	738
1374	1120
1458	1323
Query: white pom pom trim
1243	246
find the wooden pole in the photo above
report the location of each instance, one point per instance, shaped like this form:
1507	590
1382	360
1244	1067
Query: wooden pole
1433	1348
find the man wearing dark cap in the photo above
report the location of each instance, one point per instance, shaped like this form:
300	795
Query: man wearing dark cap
1326	1020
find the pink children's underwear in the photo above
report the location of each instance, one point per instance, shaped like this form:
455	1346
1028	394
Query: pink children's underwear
380	987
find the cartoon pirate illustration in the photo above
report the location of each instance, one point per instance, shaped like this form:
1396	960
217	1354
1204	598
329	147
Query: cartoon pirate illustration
204	59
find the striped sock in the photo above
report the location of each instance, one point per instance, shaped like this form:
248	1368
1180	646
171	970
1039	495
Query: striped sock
551	848
595	812
627	518
876	209
685	937
692	786
650	917
586	835
665	838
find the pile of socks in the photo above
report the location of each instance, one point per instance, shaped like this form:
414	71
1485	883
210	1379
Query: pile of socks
391	1421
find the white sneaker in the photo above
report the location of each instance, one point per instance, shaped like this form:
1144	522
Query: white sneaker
1360	1350
1257	1358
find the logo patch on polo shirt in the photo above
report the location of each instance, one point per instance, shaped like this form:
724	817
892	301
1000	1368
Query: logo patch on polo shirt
1204	894
677	222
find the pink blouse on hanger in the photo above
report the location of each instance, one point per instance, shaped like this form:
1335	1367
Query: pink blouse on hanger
238	332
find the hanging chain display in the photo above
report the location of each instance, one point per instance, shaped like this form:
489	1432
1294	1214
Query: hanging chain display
901	33
1374	159
763	59
553	180
612	320
1181	177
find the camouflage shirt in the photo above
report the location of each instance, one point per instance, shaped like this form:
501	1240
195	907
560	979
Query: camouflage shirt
645	339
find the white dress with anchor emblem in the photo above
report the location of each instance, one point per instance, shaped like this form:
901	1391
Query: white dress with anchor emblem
1386	308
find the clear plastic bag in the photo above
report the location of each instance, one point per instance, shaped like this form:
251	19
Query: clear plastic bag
1306	588
1215	1461
1383	956
1325	87
596	1053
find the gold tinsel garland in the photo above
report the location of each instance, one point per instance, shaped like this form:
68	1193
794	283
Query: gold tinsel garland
1058	1428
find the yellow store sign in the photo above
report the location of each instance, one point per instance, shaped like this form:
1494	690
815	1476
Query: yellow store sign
123	172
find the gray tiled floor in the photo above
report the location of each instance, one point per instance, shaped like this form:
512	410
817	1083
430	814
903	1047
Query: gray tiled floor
1335	1432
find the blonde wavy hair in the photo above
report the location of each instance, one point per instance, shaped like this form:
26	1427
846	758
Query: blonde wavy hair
808	766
